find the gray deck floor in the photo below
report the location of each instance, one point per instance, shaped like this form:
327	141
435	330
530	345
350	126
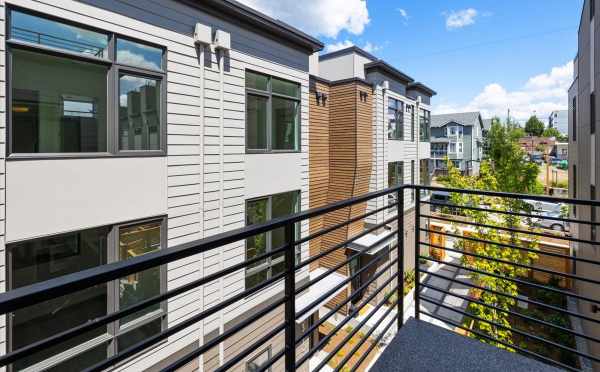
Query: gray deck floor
421	346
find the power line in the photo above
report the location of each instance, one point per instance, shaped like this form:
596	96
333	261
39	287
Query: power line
493	42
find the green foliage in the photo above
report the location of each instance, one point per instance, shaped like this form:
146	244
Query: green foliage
534	126
513	171
493	319
553	132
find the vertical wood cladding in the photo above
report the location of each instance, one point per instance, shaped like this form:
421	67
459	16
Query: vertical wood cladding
348	159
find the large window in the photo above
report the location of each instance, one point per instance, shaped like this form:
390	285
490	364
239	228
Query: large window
395	178
272	114
76	90
424	125
395	119
42	259
262	210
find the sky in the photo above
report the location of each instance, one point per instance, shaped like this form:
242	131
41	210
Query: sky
479	55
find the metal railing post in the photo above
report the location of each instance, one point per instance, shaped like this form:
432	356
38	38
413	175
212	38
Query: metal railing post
417	250
400	250
290	302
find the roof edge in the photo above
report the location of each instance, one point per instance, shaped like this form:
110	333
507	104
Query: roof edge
252	17
421	87
389	69
350	49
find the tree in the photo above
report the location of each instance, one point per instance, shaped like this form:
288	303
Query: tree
553	132
491	310
514	173
534	127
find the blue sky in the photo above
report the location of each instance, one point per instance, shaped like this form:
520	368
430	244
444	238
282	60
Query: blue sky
479	54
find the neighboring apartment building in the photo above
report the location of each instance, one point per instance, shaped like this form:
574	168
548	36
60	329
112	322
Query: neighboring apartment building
559	120
459	138
369	130
584	158
129	133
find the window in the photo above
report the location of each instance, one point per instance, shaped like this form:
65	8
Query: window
412	123
395	119
424	178
262	210
592	8
51	114
593	113
452	147
574	108
593	213
424	125
395	178
259	361
272	114
42	259
460	147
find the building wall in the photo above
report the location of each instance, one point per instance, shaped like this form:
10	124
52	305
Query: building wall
204	181
584	155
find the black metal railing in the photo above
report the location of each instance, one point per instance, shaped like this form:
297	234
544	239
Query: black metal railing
363	306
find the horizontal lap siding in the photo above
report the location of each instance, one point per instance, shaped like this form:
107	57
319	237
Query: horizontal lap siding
378	181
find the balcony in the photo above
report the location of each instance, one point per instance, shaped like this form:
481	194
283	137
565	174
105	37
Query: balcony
366	319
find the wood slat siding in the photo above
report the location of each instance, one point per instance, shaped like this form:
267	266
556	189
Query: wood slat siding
347	149
206	146
318	160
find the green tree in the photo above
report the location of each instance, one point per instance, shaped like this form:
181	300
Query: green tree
553	132
534	127
493	319
514	172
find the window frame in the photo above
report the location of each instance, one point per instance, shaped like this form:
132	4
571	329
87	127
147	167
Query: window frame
398	114
114	330
424	125
268	244
268	350
112	86
269	94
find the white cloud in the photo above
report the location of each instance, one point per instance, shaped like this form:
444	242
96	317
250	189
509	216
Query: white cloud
317	17
135	59
460	18
403	13
367	47
541	94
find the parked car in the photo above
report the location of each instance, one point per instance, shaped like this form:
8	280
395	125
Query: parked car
552	223
542	206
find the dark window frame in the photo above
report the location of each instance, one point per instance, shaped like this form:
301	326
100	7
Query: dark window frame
269	95
248	272
398	119
424	125
574	128
398	166
112	94
113	330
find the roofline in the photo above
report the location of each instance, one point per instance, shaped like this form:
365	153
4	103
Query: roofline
271	27
421	87
388	69
341	81
349	50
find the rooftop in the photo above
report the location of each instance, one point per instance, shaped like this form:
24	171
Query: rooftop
466	119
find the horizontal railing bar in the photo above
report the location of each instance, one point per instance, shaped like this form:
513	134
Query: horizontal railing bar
258	344
364	338
339	265
524	249
104	320
514	280
342	284
509	195
506	344
356	292
510	229
42	291
350	334
529	301
340	225
518	214
542	270
513	313
364	356
515	330
142	345
343	244
353	313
